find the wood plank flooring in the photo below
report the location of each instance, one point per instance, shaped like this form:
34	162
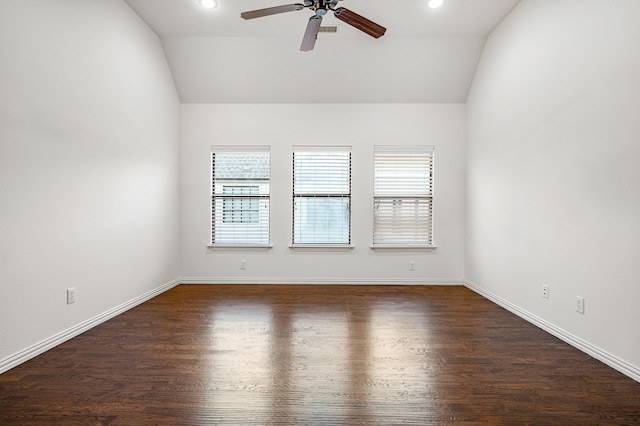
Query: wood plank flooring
316	355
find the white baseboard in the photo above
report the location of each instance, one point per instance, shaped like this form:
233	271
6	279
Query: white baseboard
586	347
594	351
43	346
321	281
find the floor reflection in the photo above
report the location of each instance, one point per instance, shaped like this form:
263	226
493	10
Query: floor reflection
241	371
399	361
320	363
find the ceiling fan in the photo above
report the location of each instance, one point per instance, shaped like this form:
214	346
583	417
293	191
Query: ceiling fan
320	7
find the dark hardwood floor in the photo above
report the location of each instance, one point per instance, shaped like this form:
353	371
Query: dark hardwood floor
317	355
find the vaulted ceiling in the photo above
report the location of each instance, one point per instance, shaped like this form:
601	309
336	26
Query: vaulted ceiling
427	55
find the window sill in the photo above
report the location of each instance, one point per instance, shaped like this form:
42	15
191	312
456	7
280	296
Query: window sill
321	247
239	246
401	247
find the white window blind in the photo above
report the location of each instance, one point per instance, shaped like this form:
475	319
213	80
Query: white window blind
240	192
321	195
403	196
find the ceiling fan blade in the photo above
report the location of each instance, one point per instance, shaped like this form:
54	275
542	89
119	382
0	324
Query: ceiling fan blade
311	34
360	22
259	13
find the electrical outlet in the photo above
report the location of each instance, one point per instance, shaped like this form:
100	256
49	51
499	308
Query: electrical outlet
580	304
412	265
545	291
71	295
243	264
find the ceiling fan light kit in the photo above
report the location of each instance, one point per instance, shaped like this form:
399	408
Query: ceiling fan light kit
320	8
208	4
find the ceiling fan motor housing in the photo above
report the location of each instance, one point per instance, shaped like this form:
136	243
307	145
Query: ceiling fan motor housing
321	7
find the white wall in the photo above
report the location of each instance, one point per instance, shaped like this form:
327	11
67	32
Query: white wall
553	177
89	130
358	125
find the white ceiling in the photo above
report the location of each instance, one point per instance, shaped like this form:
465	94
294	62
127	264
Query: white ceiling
427	55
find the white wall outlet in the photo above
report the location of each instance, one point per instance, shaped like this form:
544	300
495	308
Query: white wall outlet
545	291
412	265
243	264
71	295
580	304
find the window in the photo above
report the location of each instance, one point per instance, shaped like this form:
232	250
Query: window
403	196
240	192
321	195
240	209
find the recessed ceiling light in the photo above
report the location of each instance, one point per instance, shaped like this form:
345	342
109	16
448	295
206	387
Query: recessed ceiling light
434	4
209	4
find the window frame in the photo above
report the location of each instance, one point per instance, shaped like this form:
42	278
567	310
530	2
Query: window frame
262	231
421	200
325	195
